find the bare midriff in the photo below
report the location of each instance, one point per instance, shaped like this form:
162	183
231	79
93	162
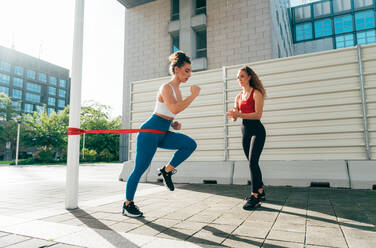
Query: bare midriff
164	116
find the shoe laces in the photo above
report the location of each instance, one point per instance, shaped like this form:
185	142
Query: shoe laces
248	198
132	205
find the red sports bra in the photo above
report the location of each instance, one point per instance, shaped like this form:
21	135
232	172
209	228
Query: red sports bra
247	106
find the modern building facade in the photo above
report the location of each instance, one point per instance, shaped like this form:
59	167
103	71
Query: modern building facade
333	24
217	33
33	84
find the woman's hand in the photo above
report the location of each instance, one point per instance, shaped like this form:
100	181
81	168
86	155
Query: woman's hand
176	125
195	90
233	114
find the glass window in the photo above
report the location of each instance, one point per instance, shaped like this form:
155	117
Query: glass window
341	5
4	90
31	74
343	24
302	13
52	90
42	77
62	83
62	93
321	9
17	94
365	20
52	80
40	109
33	87
50	111
200	7
174	10
32	97
4	79
175	42
201	44
52	101
17	82
16	105
28	108
4	66
304	31
367	37
346	40
362	3
60	103
323	28
18	70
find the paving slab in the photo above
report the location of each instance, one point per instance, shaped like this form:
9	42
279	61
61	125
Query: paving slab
194	215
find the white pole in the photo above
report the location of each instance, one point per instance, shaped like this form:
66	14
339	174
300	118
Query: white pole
18	141
71	197
83	147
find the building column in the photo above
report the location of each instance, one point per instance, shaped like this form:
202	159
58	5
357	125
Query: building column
187	40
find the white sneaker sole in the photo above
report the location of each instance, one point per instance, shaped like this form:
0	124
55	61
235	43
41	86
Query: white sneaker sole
125	213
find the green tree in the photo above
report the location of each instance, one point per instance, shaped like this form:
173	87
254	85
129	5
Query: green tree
95	116
47	132
8	123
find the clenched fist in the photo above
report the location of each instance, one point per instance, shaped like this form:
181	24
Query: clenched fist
195	90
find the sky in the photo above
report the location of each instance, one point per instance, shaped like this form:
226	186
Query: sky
44	29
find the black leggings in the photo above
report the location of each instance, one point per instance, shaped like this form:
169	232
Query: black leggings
253	142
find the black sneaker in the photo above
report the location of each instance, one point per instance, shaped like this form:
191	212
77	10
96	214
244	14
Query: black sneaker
262	195
167	177
252	203
131	210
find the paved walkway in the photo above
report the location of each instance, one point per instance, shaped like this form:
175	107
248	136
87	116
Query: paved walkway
32	214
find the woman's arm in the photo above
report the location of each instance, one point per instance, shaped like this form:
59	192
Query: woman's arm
236	106
177	106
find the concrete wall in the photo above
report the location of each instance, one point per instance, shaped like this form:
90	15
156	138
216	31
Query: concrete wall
238	32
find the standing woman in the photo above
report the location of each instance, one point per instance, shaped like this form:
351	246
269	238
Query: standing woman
169	103
249	105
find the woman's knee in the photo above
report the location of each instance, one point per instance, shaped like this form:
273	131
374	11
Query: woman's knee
193	145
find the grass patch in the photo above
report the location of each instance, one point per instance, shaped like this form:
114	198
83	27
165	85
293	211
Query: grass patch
5	162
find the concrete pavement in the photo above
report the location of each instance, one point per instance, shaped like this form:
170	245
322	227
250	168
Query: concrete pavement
32	213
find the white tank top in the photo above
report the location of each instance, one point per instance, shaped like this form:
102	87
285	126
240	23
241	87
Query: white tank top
161	107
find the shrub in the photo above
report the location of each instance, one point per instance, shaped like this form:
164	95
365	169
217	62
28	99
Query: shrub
44	155
106	155
90	155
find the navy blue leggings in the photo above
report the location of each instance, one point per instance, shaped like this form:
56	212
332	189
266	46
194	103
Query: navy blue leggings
147	144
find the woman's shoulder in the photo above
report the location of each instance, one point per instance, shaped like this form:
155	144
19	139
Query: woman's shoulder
239	95
257	93
165	86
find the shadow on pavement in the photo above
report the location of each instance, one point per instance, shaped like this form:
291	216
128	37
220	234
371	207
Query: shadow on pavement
103	230
352	208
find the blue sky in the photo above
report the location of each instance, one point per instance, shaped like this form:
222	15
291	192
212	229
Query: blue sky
44	28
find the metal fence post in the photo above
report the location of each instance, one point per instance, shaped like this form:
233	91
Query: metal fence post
364	102
224	77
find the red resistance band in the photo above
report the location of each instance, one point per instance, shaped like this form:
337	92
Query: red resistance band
78	131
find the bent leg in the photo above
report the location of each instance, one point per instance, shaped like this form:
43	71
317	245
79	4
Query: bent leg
184	144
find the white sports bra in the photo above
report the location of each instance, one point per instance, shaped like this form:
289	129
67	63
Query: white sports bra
161	107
